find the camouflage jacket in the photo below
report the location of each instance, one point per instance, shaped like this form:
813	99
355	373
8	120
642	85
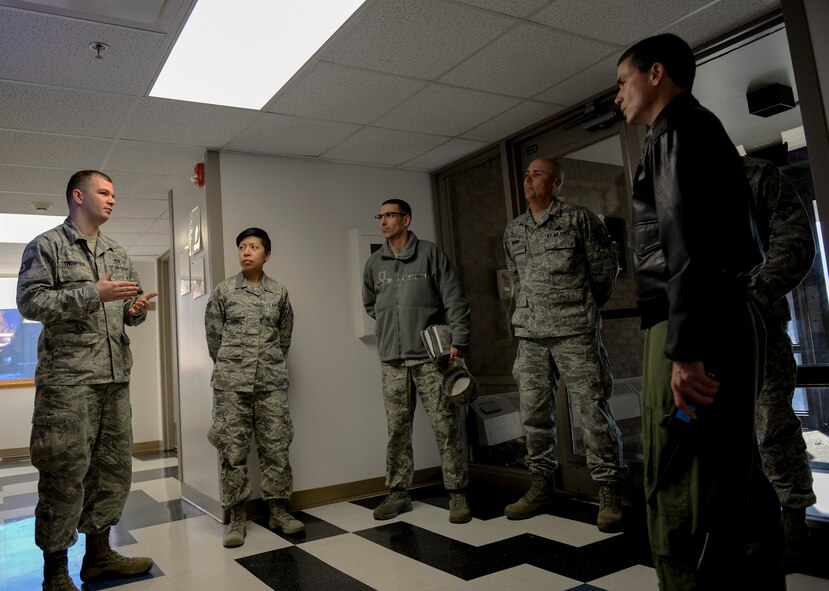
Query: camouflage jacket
248	330
83	340
409	292
564	269
786	233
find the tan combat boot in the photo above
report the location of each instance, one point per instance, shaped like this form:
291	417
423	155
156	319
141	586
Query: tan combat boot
610	509
281	519
458	508
393	505
56	572
534	500
102	562
236	529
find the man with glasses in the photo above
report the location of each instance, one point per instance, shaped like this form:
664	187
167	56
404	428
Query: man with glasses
409	285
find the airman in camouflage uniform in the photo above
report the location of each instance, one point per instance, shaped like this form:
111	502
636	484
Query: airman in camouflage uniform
81	285
564	267
409	285
786	233
248	323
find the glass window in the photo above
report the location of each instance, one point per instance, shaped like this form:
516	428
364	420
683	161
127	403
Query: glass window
18	338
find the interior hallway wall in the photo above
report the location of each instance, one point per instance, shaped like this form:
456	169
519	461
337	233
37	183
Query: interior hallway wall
309	209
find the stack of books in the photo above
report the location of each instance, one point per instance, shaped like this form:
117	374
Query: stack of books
438	340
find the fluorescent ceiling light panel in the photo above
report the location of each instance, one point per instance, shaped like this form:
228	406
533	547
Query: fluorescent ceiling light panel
240	53
20	228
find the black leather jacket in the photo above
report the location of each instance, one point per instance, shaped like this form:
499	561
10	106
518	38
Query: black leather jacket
693	236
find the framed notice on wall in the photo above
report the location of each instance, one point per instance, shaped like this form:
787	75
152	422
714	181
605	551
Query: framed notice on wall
194	231
197	275
363	243
183	272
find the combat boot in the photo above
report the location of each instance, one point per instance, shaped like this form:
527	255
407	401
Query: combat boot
236	529
610	509
281	519
102	562
56	572
534	500
393	505
458	508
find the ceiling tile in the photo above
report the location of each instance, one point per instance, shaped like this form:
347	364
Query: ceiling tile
59	110
338	93
126	225
446	110
123	238
148	239
22	203
527	60
444	154
131	185
139	208
420	39
160	226
520	8
151	158
373	145
63	151
53	50
146	251
719	18
615	21
30	179
282	134
514	120
583	85
179	122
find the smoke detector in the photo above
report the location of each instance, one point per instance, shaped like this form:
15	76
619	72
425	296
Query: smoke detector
42	205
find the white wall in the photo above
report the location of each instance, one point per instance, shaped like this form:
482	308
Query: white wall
16	404
145	379
308	209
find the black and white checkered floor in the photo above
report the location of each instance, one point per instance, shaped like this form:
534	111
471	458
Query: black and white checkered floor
344	548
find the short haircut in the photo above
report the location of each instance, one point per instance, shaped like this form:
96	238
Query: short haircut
670	51
256	233
79	179
404	207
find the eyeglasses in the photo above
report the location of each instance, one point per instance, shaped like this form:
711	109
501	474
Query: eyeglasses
389	215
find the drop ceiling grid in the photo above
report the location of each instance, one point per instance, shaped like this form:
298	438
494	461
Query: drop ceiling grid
179	122
450	151
61	151
718	19
152	158
619	22
390	147
283	134
54	50
516	119
527	60
65	111
340	93
446	110
417	39
32	179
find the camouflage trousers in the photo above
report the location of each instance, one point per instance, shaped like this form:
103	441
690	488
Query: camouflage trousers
401	385
236	417
81	444
581	361
780	433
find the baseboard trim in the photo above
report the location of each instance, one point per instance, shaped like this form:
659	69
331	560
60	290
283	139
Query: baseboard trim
23	452
15	452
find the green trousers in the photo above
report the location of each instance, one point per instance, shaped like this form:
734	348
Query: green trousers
713	517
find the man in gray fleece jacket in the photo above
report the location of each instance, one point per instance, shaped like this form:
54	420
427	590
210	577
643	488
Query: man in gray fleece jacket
409	285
